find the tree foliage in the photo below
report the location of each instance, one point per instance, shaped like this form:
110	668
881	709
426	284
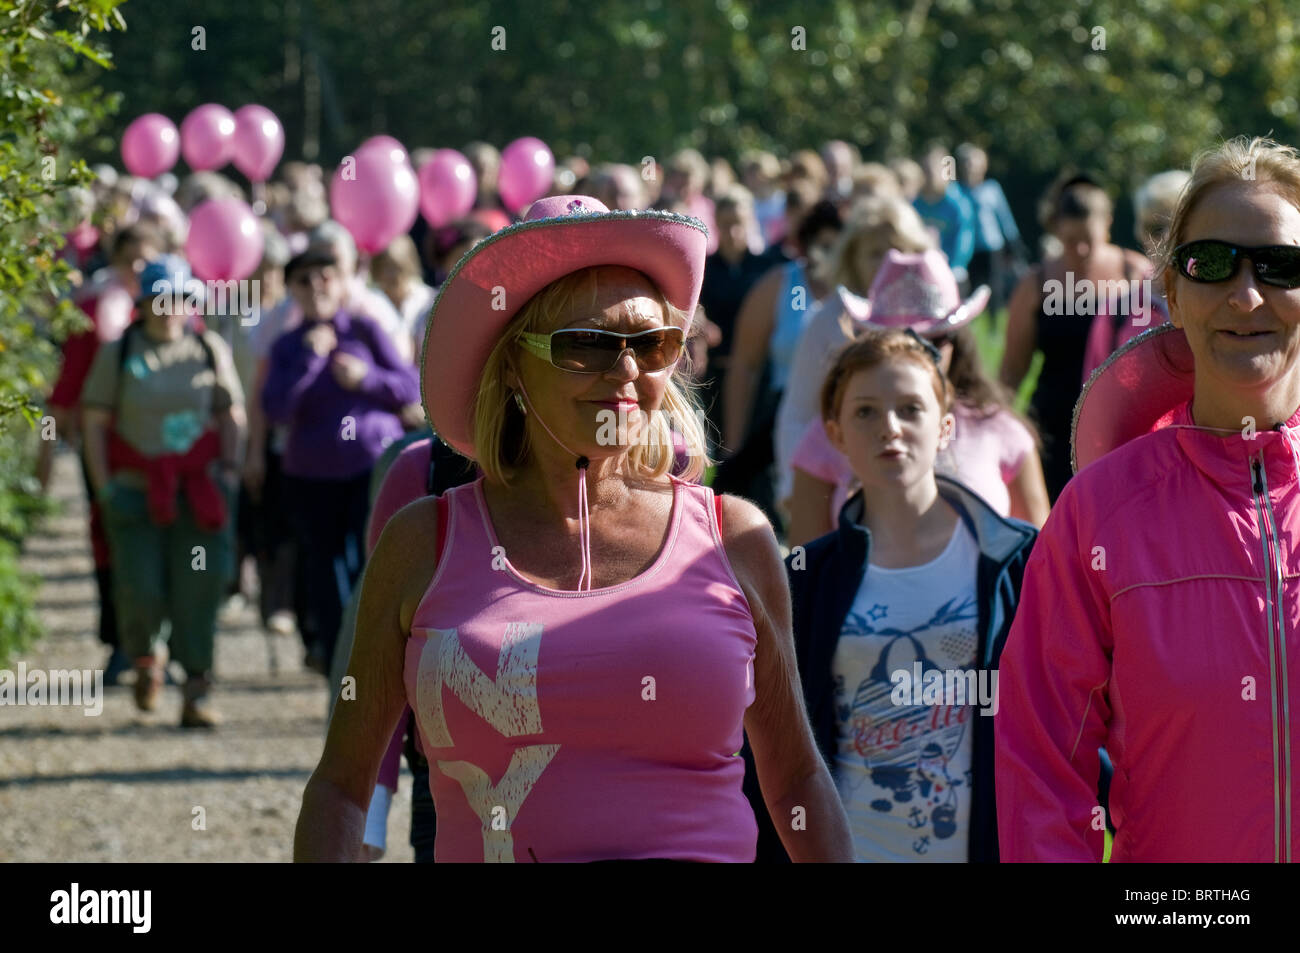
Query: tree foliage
47	106
1124	87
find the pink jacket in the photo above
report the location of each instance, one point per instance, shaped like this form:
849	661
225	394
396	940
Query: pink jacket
1150	624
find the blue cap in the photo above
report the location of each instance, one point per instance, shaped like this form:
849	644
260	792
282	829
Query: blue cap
168	275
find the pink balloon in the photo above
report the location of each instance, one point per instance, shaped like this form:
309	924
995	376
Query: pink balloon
259	142
150	145
527	167
208	137
225	240
394	149
448	187
375	198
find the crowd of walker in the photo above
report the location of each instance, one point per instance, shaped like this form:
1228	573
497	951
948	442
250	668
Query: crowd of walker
691	647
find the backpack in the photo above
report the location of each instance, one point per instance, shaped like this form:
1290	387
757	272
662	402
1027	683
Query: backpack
447	469
125	346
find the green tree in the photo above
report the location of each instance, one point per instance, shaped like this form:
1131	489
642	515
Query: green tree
1122	87
46	107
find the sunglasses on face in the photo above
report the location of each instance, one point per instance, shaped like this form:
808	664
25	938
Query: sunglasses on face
590	351
1211	261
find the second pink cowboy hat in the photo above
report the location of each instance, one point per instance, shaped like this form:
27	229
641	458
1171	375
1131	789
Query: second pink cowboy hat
918	290
497	277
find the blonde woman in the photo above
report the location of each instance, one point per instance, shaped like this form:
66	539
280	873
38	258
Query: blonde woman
581	635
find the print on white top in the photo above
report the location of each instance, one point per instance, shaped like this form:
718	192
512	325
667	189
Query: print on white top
904	771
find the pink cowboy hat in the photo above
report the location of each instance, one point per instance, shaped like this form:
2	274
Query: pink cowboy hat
560	234
918	291
1136	391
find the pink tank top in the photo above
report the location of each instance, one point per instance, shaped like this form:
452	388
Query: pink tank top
579	726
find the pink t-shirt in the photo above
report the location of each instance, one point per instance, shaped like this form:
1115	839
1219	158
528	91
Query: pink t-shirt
985	454
579	726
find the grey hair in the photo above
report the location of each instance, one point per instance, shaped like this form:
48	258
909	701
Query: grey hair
336	236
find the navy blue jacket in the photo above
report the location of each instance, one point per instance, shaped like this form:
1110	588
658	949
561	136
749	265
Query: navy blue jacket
824	580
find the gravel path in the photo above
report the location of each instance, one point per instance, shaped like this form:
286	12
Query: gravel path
124	786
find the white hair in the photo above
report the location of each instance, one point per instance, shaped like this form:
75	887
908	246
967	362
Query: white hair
1155	200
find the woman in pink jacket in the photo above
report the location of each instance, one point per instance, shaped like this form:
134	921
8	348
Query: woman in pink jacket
1160	616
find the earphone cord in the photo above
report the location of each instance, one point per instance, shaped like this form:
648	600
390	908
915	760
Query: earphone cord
584	515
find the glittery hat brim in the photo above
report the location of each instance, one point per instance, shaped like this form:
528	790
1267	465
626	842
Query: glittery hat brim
1136	391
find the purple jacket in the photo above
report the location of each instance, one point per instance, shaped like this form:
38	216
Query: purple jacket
336	433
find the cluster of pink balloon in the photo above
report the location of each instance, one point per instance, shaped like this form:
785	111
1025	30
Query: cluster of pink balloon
210	136
376	194
225	239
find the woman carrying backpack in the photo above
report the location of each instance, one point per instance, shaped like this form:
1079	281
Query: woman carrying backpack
163	420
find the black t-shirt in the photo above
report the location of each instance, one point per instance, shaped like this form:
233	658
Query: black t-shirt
725	287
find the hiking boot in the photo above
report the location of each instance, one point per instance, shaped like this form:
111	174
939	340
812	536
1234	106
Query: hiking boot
148	683
197	712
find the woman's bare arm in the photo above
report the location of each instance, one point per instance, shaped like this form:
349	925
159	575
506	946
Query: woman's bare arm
1022	330
796	784
95	423
231	428
332	821
1028	492
810	508
748	352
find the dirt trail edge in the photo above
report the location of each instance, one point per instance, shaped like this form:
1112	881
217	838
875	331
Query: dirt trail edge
129	786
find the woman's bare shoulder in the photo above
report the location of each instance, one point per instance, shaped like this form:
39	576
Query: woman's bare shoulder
405	555
751	546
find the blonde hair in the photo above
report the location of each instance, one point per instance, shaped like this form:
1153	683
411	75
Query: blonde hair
892	221
873	178
1261	161
501	444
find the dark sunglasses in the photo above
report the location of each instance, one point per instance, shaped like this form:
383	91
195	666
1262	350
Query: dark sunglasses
1210	261
590	351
